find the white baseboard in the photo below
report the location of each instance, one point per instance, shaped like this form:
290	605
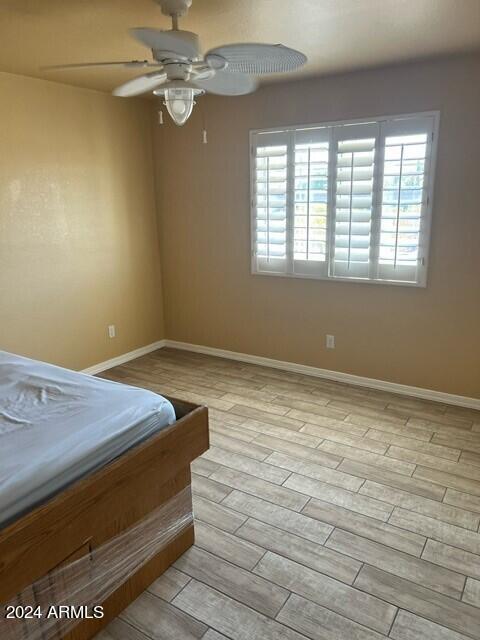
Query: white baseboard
338	376
126	357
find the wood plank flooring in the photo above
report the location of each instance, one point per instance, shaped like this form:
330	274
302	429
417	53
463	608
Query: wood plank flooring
323	511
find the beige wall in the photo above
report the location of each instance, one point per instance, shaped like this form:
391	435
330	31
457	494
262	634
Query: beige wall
424	337
78	248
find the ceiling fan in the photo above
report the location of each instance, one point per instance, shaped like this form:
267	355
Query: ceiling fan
180	72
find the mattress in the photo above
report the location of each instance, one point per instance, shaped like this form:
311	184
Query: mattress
58	425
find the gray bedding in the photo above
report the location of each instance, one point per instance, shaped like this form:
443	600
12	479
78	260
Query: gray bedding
57	425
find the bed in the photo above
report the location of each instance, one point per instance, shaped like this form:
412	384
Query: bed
86	464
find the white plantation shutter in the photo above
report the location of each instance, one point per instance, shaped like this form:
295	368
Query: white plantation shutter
310	201
270	202
405	199
354	199
345	200
289	201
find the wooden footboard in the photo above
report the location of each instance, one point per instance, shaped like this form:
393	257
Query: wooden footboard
101	506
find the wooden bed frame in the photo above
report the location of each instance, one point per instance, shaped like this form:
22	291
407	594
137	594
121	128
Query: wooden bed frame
98	507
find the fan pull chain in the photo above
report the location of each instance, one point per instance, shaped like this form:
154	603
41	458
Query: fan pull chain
204	126
160	116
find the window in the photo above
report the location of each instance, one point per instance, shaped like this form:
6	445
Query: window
348	200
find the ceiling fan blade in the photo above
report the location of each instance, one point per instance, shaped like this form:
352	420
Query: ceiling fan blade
181	43
257	58
140	85
85	65
227	84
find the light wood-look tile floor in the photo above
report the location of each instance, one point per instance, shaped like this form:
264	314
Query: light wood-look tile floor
322	510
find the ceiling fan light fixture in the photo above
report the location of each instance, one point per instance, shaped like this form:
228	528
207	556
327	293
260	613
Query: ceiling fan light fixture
179	102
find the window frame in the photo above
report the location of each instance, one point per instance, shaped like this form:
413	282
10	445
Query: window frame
425	220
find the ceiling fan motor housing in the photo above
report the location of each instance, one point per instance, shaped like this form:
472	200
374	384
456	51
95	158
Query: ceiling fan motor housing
189	38
178	71
174	7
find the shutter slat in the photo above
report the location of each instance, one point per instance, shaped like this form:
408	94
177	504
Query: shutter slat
349	146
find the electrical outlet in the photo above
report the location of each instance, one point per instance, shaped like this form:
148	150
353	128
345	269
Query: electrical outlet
111	331
330	341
